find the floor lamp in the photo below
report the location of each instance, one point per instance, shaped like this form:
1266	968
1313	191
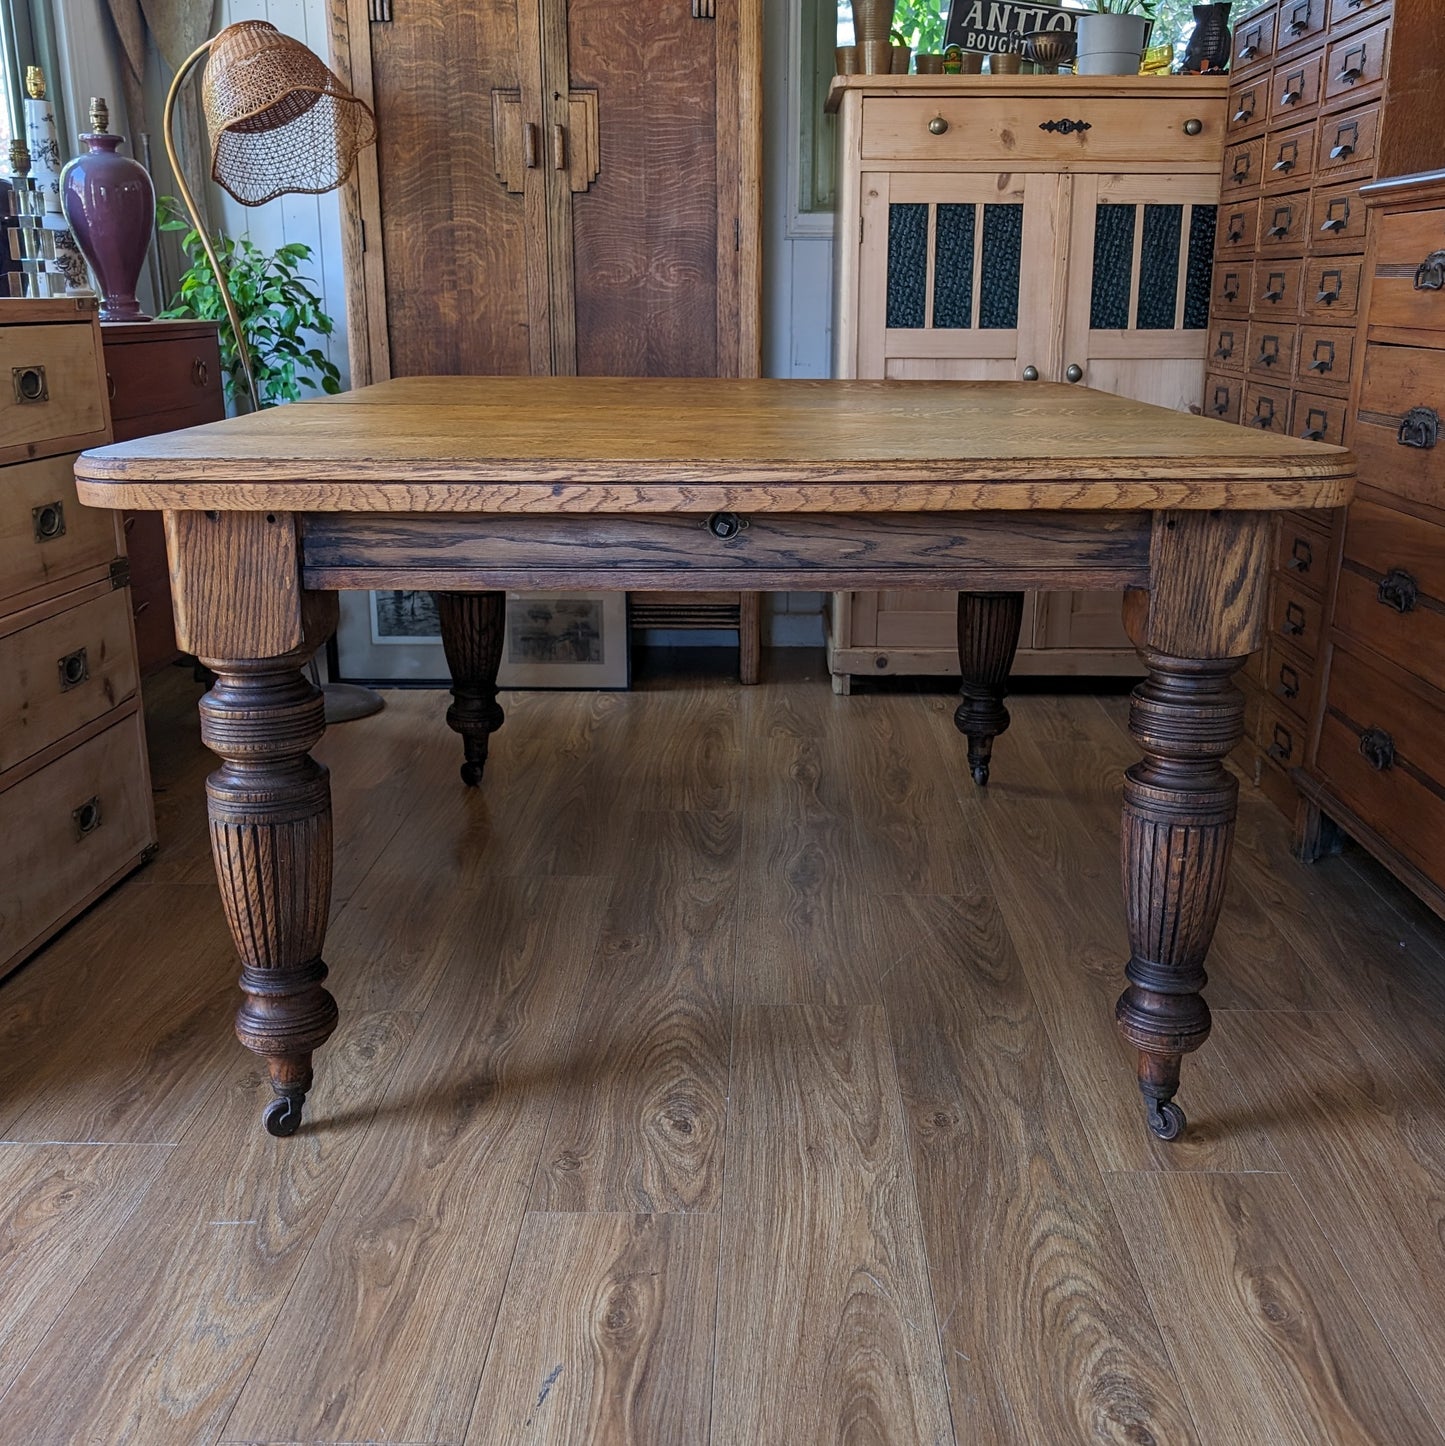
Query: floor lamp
279	122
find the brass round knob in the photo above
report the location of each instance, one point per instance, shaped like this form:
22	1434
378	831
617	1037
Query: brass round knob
1031	374
1074	373
938	125
1193	127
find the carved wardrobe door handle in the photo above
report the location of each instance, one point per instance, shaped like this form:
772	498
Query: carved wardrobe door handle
1430	274
1420	427
1378	748
1399	590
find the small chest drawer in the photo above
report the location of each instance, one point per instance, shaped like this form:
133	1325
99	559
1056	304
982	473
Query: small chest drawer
1355	64
66	667
1324	355
1230	293
1254	43
1289	681
1318	418
1409	289
1398	427
1337	220
1222	396
69	829
1282	736
1248	106
1266	408
45	534
1391	592
170	375
1284	224
1346	143
1295	616
1015	128
49	386
1289	157
1331	288
1302	554
1295	88
1243	170
1301	23
1277	288
1238	222
1379	751
1347	13
1228	346
1271	349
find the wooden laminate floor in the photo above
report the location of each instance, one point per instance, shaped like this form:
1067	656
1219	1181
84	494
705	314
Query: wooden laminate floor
727	1069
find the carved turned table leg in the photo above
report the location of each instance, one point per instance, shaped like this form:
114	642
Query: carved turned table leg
473	626
270	815
988	637
1179	811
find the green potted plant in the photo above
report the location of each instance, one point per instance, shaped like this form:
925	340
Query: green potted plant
275	302
1112	35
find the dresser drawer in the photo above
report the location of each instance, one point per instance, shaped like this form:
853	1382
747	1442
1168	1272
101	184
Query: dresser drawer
1254	43
1330	288
1290	681
1302	554
1223	396
70	830
1324	355
45	534
1238	226
1266	408
1318	418
67	666
1391	592
1409	289
1355	12
1284	224
1270	350
1228	345
1397	428
1012	128
1289	156
1247	108
1282	737
1379	752
1346	143
1301	24
1295	616
1355	64
1243	171
49	387
173	375
1337	220
1294	90
1230	291
1276	290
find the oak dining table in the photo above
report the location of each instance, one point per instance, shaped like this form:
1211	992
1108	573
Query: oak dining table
469	486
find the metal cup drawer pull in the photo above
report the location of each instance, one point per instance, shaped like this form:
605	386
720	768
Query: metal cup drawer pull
1281	228
1240	173
1289	684
1263	414
1221	401
1430	273
1235	234
1230	290
1399	590
86	818
1300	19
48	521
1354	67
1342	148
30	385
1225	349
1420	427
1337	214
1294	89
1378	748
1288	157
1294	621
1268	351
1301	555
1250	48
1332	283
1317	422
1274	286
1282	749
1246	109
1324	357
74	669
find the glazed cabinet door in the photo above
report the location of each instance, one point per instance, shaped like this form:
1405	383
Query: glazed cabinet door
955	275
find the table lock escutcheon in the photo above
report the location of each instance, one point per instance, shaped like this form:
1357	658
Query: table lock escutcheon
725	525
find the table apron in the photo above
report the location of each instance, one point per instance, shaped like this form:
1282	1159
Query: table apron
976	551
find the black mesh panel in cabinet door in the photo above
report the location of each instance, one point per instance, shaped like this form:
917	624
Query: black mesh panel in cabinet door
907	265
1159	267
1003	246
1113	263
1203	223
953	266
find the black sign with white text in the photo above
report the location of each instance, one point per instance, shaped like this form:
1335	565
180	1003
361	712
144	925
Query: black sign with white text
992	26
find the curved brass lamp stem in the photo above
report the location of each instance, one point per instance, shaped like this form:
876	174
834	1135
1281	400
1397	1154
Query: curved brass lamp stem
222	280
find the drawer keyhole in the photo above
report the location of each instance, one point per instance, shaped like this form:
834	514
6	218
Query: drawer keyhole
87	817
48	521
74	670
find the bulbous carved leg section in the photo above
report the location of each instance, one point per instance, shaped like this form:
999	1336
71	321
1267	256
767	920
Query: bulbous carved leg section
473	626
270	816
1179	810
988	638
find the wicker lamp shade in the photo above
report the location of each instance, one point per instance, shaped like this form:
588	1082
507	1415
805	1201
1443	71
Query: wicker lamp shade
279	120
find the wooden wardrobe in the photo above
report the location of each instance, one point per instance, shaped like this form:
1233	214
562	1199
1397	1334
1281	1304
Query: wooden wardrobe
558	187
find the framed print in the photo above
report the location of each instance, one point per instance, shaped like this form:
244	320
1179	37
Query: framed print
570	639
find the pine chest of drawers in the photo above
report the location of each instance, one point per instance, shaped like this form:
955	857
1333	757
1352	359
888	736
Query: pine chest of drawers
75	802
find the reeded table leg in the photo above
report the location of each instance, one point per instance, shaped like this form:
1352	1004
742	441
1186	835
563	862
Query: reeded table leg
270	814
988	638
1179	810
473	626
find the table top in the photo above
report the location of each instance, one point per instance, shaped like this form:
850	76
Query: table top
608	445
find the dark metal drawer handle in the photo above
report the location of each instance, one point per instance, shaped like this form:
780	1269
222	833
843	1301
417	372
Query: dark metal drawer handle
1263	414
1352	72
1300	21
200	372
1281	228
1225	349
1240	173
1235	234
1337	219
1378	748
1230	293
1301	555
74	669
1292	97
30	385
1221	401
1430	274
1420	427
1288	681
1282	749
1268	351
1066	127
48	521
1293	625
725	525
1244	113
87	817
1316	425
1344	148
1287	163
1324	357
1329	294
1398	590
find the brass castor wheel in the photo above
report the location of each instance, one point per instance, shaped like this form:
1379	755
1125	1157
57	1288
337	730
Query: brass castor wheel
1166	1120
980	774
282	1117
472	773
